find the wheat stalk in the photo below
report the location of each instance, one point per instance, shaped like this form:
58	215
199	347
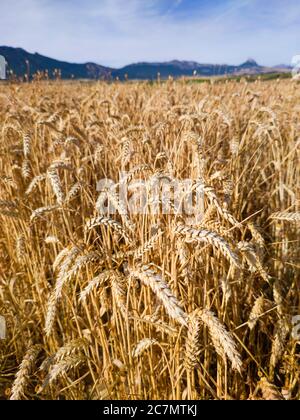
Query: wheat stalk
286	216
41	211
22	376
142	346
56	185
161	289
210	237
193	345
26	145
95	283
35	182
256	312
106	221
222	340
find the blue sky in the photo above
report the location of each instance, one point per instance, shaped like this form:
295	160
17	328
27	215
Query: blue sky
118	32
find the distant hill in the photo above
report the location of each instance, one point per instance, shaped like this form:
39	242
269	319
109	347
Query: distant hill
188	68
283	68
16	59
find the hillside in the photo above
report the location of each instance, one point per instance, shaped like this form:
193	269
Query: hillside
187	68
17	59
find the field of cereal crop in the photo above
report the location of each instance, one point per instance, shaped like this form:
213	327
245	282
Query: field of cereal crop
142	292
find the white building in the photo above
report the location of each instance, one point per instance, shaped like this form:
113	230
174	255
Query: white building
2	68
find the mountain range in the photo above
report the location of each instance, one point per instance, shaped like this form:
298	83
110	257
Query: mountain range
21	62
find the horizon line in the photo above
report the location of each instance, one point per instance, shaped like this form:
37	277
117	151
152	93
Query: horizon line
148	62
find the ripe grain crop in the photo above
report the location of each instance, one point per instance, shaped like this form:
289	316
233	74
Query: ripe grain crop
159	303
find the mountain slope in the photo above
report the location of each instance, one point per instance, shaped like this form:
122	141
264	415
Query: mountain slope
16	59
173	68
188	68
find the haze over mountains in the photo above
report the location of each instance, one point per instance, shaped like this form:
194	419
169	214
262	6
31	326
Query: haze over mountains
21	62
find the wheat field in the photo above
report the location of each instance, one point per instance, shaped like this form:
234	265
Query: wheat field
153	304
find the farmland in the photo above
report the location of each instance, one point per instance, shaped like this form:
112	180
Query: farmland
135	296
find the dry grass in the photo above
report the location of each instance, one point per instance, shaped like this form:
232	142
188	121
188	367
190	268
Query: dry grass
152	306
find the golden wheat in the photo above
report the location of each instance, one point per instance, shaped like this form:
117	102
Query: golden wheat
162	296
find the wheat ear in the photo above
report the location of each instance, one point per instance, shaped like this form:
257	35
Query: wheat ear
210	237
22	376
150	278
142	346
222	339
192	347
